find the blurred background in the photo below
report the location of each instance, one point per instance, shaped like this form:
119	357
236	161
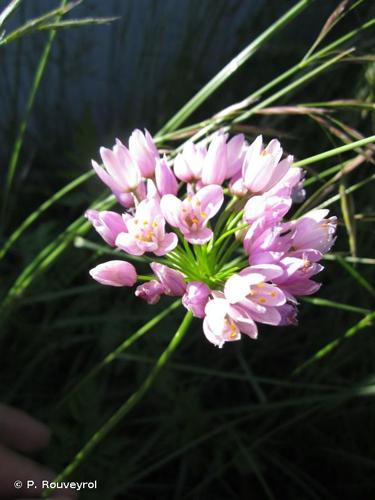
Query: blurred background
230	423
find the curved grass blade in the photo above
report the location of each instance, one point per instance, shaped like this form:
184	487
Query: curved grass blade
9	10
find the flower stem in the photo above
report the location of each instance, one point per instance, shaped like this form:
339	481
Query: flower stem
225	215
143	277
119	350
335	151
222	257
129	404
228	233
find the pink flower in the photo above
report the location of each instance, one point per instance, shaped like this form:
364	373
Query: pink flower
262	168
288	185
236	150
173	281
196	298
313	231
266	243
270	209
146	231
107	224
115	273
224	322
236	185
150	291
250	290
120	174
214	169
143	150
165	179
295	280
188	164
192	214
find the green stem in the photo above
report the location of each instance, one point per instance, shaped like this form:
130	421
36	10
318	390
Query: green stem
231	231
119	350
223	256
143	277
224	215
129	404
235	219
334	152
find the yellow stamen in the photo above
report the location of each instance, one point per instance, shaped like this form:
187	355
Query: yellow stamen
262	300
203	215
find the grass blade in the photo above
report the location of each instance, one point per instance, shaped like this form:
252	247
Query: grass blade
129	404
364	323
29	106
231	67
120	349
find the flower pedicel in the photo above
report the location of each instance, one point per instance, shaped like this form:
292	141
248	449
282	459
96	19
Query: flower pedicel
214	223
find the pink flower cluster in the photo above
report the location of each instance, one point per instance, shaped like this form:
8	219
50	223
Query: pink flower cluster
213	218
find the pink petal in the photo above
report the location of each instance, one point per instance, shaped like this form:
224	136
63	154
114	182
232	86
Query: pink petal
199	237
166	245
126	242
171	208
104	177
211	198
236	289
